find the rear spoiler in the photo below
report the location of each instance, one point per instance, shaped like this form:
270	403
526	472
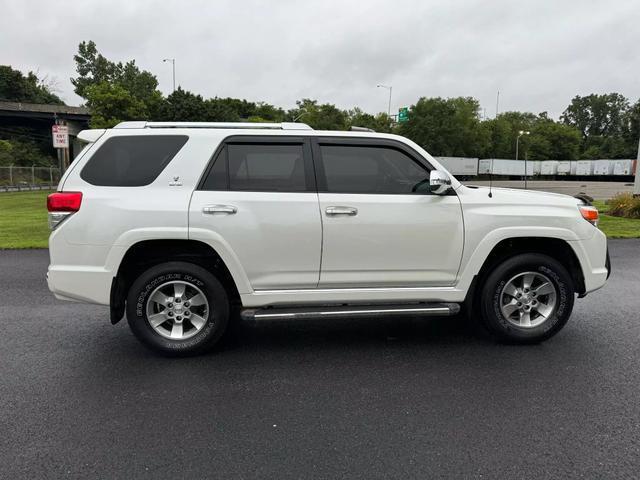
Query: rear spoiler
91	136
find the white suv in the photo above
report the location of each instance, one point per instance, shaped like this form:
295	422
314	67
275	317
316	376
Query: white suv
190	226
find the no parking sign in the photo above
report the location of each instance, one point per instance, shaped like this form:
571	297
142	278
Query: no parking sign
60	135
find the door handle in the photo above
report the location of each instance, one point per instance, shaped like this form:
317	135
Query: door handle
351	211
213	209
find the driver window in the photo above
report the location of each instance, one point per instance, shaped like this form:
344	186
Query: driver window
377	170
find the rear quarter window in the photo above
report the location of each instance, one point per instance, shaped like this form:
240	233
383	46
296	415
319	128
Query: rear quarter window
131	161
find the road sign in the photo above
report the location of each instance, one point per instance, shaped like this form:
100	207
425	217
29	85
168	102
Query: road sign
60	135
403	114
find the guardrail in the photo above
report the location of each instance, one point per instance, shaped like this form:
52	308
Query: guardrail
14	179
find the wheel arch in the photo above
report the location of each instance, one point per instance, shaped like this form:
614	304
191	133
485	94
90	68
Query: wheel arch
145	254
556	248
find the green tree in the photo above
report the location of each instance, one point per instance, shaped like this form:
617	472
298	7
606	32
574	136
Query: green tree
95	71
228	108
23	152
111	103
184	106
320	117
225	110
268	112
632	135
446	127
600	146
500	138
16	87
597	115
547	139
380	122
603	121
92	67
551	140
506	129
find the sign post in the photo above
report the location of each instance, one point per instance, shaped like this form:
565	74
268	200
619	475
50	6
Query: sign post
60	134
403	114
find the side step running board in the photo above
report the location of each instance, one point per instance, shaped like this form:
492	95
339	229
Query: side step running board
327	311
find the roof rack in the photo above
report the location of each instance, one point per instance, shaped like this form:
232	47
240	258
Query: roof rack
355	128
227	125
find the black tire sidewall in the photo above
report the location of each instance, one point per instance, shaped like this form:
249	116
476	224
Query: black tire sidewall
490	306
214	291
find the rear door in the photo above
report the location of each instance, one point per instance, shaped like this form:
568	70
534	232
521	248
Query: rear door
259	195
381	226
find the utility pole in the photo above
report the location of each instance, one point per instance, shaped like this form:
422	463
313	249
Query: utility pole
173	66
390	88
520	133
636	183
497	102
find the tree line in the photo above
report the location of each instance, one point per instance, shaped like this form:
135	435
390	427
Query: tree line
591	127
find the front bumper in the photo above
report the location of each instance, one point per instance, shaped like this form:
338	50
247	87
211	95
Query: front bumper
593	255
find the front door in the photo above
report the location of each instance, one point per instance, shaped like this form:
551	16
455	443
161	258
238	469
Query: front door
381	226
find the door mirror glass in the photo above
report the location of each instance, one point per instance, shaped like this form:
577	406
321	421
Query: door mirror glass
440	182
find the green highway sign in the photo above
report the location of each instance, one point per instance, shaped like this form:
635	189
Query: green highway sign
403	114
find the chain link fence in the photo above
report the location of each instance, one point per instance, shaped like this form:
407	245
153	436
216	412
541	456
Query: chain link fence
28	178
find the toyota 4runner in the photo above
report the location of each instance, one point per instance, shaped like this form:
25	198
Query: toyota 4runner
187	227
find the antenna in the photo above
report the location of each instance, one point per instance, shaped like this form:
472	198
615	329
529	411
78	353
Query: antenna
491	179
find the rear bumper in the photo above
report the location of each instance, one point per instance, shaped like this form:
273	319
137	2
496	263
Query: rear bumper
80	284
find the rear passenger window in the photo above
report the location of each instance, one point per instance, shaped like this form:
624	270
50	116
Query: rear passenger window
131	161
258	168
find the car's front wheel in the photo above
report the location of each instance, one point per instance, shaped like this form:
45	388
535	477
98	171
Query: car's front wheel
178	309
527	299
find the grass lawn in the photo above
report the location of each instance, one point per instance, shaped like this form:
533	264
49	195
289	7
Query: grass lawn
617	227
23	221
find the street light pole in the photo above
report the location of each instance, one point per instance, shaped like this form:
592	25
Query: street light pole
173	67
390	88
520	133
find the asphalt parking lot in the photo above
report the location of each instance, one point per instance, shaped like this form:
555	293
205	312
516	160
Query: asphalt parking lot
340	399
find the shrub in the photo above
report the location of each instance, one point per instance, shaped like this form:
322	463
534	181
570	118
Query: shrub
624	205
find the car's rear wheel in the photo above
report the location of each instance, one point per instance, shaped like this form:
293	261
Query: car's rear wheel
527	299
178	309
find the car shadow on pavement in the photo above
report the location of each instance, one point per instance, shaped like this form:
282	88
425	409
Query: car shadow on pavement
331	338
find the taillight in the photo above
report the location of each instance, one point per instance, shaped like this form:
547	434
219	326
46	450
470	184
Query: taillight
61	205
589	213
64	201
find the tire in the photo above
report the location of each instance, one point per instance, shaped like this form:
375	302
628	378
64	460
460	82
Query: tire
505	300
161	316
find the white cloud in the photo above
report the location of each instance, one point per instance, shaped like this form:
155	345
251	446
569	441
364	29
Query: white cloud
538	53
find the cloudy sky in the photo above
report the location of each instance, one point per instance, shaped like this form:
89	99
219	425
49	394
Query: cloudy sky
538	54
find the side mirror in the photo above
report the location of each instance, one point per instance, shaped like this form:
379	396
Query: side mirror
439	181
